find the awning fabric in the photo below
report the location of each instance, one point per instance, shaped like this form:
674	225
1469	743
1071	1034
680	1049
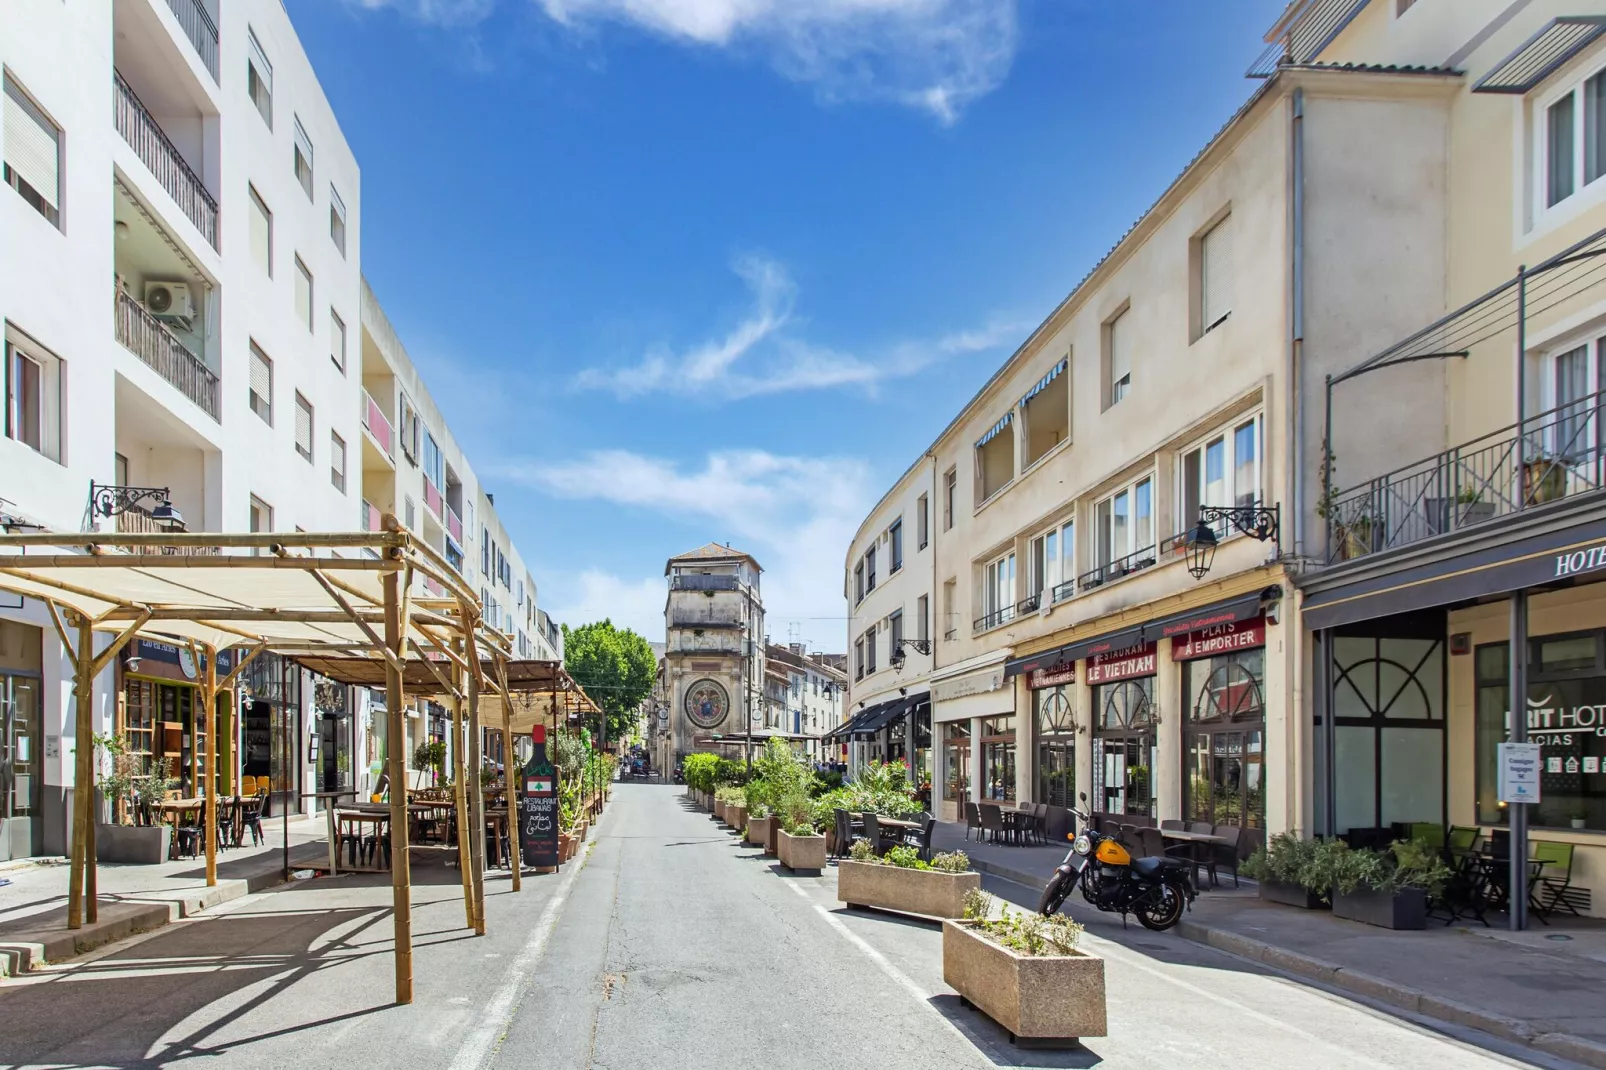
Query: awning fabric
883	716
1558	41
1549	558
847	727
1229	611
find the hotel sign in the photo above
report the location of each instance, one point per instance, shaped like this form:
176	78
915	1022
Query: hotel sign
1124	664
1219	639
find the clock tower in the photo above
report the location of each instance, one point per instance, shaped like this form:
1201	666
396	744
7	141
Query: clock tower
714	650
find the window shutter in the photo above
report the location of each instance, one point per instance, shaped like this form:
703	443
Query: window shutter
1215	273
260	58
1120	356
261	233
303	426
337	455
33	146
261	376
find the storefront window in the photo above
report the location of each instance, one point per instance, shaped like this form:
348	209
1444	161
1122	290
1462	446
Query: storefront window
956	761
998	758
1056	745
1566	717
1223	753
1124	750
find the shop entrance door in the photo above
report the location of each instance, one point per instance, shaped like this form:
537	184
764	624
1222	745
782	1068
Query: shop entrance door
21	830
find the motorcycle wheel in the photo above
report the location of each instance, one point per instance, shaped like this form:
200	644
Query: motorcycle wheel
1054	895
1161	908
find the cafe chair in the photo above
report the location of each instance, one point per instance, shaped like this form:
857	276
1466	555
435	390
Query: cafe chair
251	819
972	820
872	832
1172	824
992	822
1224	854
1427	833
1549	889
841	833
1463	838
920	839
1151	843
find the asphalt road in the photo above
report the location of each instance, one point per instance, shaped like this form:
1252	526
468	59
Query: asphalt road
672	946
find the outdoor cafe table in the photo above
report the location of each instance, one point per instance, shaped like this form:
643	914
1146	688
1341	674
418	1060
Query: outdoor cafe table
360	815
328	799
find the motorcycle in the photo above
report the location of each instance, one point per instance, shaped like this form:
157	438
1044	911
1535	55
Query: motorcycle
1157	890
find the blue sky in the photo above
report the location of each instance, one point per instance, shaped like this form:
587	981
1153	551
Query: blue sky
693	270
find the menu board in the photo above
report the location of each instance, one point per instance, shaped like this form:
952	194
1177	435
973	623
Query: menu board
538	818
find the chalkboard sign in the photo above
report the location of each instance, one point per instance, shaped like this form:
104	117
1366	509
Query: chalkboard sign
538	808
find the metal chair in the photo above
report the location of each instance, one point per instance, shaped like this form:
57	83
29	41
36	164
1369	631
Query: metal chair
972	820
251	819
1555	875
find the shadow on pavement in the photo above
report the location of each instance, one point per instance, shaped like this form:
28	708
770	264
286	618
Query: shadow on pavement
993	1042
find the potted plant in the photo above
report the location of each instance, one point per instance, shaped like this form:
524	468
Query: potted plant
1472	508
799	845
1280	869
1026	973
1544	479
1391	891
901	881
1579	819
430	757
131	785
759	823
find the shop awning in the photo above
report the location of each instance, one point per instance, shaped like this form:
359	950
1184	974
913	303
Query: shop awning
888	713
1573	554
1228	611
849	726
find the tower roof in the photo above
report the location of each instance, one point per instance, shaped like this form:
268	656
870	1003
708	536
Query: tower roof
712	551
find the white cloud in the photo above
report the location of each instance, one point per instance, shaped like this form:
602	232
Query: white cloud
796	515
637	605
762	353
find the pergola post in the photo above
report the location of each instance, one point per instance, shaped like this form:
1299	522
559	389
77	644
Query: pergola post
465	862
401	905
476	799
82	881
510	798
211	811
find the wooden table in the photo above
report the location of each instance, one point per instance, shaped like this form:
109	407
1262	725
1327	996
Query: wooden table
360	816
328	798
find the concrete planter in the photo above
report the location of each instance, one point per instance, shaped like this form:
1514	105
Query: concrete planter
138	846
736	818
1405	909
911	891
719	810
805	853
1042	1000
1293	895
758	830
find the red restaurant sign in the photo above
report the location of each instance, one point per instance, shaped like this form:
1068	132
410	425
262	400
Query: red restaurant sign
1219	639
1124	664
1063	672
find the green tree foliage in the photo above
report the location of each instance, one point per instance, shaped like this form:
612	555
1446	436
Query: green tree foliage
615	666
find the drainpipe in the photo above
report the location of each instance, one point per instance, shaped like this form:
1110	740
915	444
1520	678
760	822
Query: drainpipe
1296	325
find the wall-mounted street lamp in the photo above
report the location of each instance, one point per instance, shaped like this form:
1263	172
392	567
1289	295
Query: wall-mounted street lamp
1258	521
109	501
896	659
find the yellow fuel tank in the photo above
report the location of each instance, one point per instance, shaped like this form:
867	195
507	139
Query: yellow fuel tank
1113	854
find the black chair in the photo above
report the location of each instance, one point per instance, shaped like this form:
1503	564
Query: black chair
1039	821
1150	843
251	819
1172	824
872	832
1224	854
972	820
843	833
992	822
920	839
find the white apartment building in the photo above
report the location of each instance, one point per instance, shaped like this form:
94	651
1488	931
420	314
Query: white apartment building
182	302
812	698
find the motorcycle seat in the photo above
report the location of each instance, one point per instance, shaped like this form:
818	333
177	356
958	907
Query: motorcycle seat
1153	866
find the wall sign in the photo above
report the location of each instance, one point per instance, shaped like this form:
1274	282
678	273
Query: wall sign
1519	772
1219	639
1052	675
1125	664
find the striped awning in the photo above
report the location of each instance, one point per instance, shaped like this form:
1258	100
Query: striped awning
1542	54
997	429
1045	380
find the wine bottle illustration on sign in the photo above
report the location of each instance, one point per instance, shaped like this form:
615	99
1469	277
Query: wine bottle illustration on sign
538	806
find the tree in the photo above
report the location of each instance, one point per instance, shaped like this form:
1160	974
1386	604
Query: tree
616	667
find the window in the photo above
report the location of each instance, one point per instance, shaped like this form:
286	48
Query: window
337	220
261	515
1215	275
895	625
434	462
261	385
869	650
1046	413
303	427
1573	131
485	551
1223	470
869	570
303	157
998	592
1051	566
337	462
337	340
32	161
259	77
858	582
858	659
950	607
303	294
895	537
950	486
1126	526
998	758
33	379
995	458
261	232
409	429
923	522
1118	357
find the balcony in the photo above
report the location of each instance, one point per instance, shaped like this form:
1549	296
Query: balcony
1136	561
432	498
378	426
146	137
994	619
454	525
1063	592
1562	454
707	618
200	29
150	340
434	587
693	582
372	518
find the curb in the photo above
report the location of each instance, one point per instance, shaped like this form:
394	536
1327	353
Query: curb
1014	876
1416	1001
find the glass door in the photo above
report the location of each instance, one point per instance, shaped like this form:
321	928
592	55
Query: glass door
20	784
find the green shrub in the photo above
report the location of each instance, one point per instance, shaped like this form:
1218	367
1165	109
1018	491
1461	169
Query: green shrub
861	851
731	796
1282	859
977	905
730	772
698	771
951	862
904	857
802	828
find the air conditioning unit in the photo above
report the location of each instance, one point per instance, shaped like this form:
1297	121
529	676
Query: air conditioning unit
169	300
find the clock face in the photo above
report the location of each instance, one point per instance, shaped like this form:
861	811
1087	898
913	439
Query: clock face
706	703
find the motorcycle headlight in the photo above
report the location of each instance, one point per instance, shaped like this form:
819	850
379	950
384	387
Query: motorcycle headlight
1082	844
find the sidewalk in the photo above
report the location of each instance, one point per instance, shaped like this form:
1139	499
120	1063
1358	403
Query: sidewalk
33	906
1525	987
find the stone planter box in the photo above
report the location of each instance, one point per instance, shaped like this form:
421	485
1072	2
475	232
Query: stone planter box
805	853
1042	1000
910	891
131	844
719	810
736	818
1405	909
1293	895
758	830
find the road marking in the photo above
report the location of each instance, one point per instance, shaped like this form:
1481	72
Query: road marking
497	1018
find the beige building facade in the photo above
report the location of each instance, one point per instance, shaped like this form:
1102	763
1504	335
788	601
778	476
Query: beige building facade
714	675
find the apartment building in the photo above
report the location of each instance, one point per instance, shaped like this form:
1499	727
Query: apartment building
811	703
182	303
714	664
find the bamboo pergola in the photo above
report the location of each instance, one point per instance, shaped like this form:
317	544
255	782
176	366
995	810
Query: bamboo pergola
298	594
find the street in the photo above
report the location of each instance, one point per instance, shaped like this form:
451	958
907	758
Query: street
673	945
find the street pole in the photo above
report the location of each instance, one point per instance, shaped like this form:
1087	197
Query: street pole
1517	879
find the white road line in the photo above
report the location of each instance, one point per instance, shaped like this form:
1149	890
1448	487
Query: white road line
497	1016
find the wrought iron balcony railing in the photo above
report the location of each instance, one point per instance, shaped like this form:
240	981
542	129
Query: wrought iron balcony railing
151	144
1064	591
699	582
150	340
199	28
1135	561
1562	453
992	620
